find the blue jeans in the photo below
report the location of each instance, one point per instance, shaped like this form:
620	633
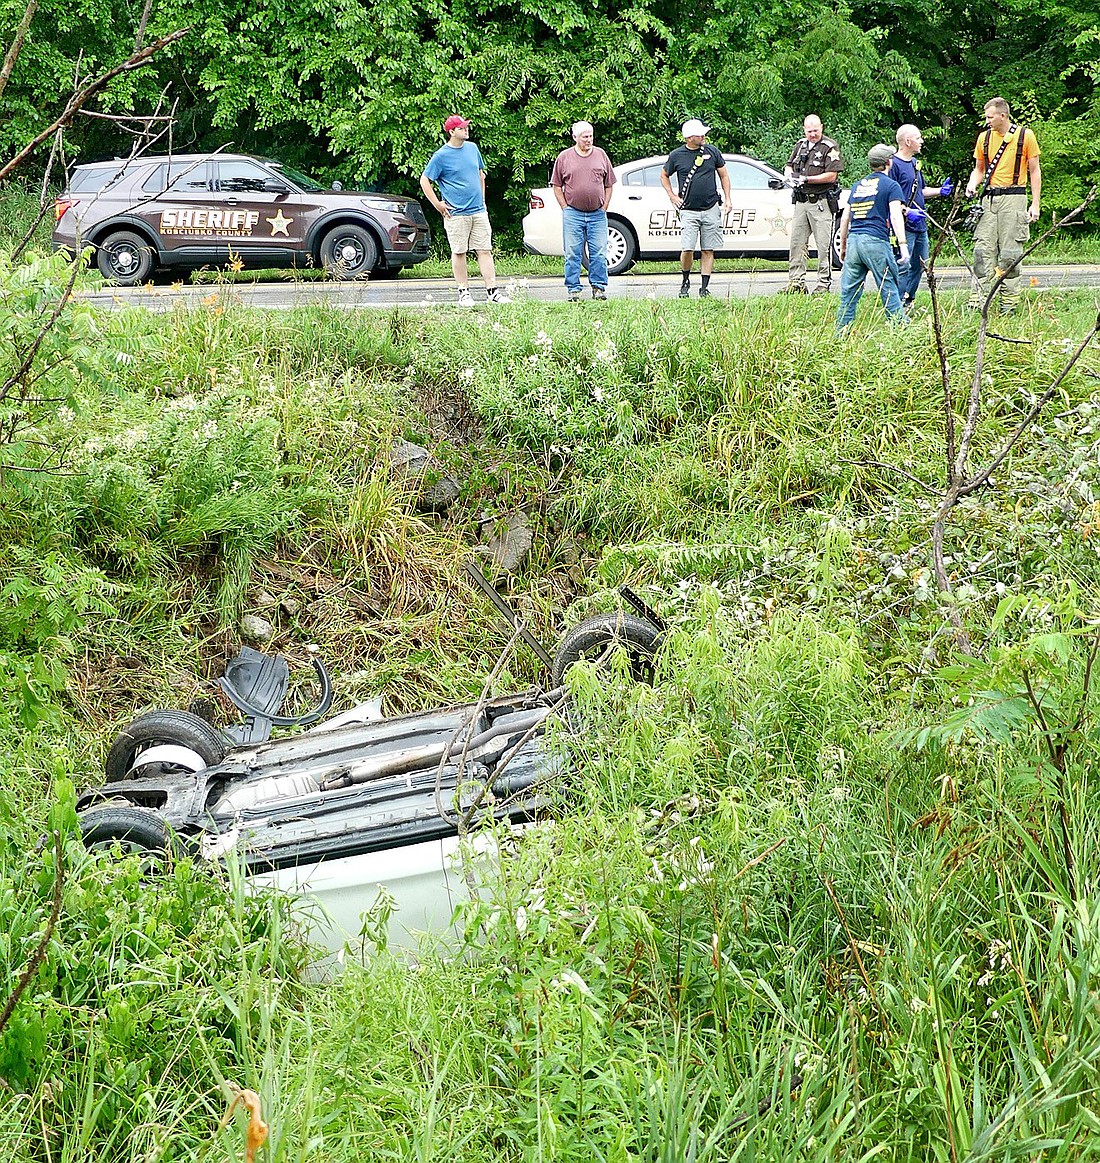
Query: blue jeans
865	255
918	254
579	227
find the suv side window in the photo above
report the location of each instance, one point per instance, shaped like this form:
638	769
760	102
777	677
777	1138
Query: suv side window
240	177
178	177
91	181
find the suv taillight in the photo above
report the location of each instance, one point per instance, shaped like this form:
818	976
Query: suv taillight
62	204
537	203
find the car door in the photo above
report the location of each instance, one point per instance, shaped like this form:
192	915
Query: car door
261	215
756	218
178	201
645	205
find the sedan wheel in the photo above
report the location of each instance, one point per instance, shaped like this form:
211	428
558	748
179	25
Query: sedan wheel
184	742
118	826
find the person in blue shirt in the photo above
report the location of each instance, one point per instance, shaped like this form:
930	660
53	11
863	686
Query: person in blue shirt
874	208
458	169
905	169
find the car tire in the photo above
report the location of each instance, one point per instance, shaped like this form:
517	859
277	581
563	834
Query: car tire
132	828
125	258
174	727
622	251
834	245
593	639
349	252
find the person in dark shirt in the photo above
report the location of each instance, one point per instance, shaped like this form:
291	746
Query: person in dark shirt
905	169
873	210
813	170
696	164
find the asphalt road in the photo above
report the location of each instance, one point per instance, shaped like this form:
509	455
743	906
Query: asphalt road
439	292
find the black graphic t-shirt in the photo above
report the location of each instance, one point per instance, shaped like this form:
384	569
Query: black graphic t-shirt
706	161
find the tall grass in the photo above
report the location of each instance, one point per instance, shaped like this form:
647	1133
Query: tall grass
757	927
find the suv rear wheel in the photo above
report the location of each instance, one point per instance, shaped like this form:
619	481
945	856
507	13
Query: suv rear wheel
125	258
348	252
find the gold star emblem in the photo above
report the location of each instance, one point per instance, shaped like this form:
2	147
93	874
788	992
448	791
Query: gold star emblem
279	223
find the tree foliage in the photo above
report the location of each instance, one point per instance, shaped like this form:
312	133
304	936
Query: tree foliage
358	88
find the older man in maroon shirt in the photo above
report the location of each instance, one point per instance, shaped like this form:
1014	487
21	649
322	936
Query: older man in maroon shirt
582	181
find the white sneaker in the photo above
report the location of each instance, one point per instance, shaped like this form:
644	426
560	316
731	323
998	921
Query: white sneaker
465	299
496	295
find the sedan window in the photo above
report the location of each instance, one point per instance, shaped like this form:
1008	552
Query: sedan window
747	177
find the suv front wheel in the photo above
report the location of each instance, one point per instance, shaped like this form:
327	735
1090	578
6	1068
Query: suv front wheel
348	252
125	258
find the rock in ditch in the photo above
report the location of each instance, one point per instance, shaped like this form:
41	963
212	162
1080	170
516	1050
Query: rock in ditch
436	490
256	630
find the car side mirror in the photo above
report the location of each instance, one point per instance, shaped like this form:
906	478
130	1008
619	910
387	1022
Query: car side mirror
775	183
276	188
337	185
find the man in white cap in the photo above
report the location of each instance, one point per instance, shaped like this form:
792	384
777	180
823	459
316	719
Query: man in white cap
813	169
697	165
582	179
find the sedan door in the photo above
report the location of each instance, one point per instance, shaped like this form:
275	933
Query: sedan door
756	219
641	199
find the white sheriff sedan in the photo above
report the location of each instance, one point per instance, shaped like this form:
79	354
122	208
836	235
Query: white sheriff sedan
643	224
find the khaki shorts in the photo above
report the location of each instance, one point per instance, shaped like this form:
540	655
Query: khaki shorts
701	228
466	232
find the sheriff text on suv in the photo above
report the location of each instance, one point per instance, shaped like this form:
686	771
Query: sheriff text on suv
193	210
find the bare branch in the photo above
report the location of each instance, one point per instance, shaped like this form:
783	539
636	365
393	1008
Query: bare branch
44	943
136	61
983	476
891	468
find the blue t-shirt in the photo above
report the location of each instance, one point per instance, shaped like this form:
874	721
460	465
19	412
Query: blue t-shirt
907	174
869	203
457	173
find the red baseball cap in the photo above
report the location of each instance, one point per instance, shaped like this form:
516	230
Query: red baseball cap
455	122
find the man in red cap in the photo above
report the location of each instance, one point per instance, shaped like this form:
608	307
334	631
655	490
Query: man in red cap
458	169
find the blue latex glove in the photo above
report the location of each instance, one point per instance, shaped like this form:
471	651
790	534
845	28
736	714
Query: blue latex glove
946	188
915	216
903	266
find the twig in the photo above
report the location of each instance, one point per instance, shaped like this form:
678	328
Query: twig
891	468
757	859
1029	419
136	61
44	942
855	949
17	44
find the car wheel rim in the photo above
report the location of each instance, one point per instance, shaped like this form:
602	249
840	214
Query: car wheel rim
348	254
123	260
616	247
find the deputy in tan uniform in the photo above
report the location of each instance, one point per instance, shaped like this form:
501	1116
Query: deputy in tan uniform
1006	158
813	169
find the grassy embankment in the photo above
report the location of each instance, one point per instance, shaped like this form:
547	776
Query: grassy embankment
759	885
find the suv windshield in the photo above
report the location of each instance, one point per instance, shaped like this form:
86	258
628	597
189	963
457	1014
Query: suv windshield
298	178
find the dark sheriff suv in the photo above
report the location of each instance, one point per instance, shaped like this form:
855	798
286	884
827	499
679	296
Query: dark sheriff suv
194	210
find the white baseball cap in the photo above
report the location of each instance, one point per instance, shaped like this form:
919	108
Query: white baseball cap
694	128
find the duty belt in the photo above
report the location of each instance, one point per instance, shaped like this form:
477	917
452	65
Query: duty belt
1005	190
